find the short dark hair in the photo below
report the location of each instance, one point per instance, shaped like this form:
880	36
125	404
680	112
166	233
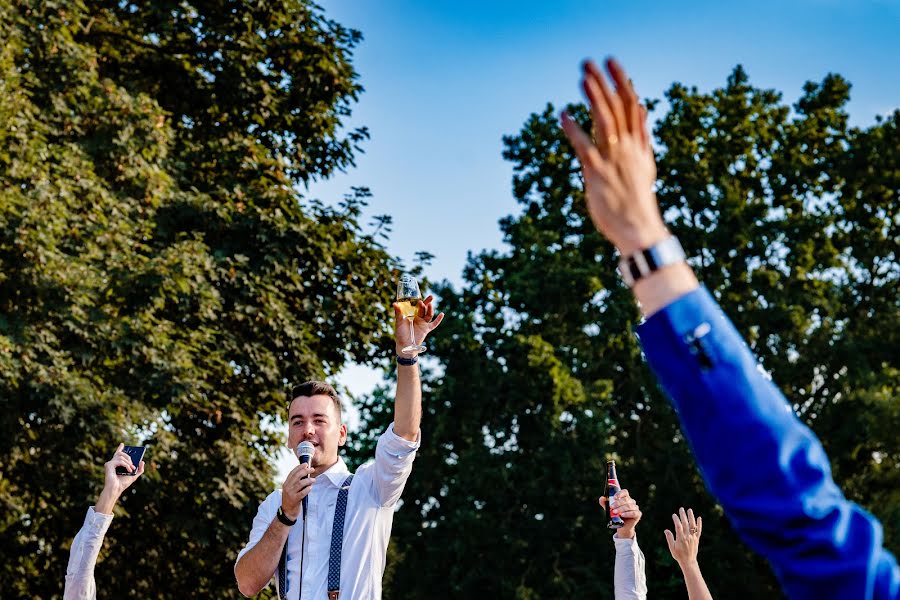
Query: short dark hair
315	388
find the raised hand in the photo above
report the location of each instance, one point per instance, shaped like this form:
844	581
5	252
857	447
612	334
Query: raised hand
686	541
618	164
114	484
424	323
628	509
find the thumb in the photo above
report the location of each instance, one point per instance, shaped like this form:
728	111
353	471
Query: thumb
603	501
120	447
670	539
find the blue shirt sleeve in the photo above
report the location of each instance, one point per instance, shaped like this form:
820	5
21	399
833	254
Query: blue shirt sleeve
766	468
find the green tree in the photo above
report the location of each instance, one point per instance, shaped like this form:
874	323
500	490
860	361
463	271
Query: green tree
161	276
791	219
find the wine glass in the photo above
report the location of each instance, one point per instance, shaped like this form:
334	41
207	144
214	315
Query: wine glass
408	298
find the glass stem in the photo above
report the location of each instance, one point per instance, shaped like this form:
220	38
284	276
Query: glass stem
412	331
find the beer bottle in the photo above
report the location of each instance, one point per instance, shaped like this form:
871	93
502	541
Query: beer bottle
612	488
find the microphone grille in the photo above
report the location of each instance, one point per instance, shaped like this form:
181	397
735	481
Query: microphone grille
305	449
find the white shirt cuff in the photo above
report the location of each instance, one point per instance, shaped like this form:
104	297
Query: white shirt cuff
397	446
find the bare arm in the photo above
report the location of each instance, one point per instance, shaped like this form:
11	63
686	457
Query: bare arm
255	568
408	402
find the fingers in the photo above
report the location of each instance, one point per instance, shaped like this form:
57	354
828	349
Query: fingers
679	529
626	506
120	459
604	125
602	500
699	526
140	469
645	135
433	325
627	97
296	474
304	487
611	100
684	520
426	308
691	520
125	461
587	153
670	540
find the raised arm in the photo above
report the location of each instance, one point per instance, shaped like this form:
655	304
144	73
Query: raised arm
80	583
629	575
408	403
767	469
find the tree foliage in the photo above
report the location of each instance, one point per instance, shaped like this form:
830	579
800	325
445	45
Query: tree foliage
791	218
161	277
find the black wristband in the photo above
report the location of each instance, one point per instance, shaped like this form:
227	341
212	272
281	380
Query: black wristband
407	362
284	518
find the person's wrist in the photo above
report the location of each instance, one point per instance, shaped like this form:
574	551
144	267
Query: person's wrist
290	515
689	565
625	533
107	501
407	361
641	238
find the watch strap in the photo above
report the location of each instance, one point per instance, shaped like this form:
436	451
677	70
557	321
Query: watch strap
284	518
642	263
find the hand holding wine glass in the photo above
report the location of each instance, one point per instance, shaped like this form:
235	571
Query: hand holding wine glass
418	314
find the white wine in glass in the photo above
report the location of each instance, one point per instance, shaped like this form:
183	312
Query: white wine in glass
408	298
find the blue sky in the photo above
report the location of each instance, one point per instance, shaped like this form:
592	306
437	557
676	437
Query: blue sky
446	80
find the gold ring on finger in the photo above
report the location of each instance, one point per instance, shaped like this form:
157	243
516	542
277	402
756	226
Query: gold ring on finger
612	140
694	530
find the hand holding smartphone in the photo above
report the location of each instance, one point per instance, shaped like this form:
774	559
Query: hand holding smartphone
136	453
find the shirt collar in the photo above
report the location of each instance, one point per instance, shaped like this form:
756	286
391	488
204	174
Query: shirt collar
337	472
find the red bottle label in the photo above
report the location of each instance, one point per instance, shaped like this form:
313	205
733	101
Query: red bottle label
613	488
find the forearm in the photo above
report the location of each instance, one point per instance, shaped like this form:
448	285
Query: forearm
106	502
661	288
408	403
693	579
254	570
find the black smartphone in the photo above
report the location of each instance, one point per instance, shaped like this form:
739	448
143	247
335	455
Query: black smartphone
137	454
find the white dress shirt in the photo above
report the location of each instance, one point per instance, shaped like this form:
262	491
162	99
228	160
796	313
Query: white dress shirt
83	556
629	578
375	490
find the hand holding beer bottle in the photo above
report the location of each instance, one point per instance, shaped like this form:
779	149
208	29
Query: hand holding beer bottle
417	312
622	510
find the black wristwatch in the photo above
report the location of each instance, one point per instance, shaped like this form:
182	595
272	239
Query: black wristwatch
407	362
284	518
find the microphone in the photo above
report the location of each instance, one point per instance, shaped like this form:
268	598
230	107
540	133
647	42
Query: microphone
305	453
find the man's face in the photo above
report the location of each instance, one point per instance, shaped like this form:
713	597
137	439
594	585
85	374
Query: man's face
315	419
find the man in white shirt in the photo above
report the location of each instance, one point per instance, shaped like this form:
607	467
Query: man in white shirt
86	546
314	415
